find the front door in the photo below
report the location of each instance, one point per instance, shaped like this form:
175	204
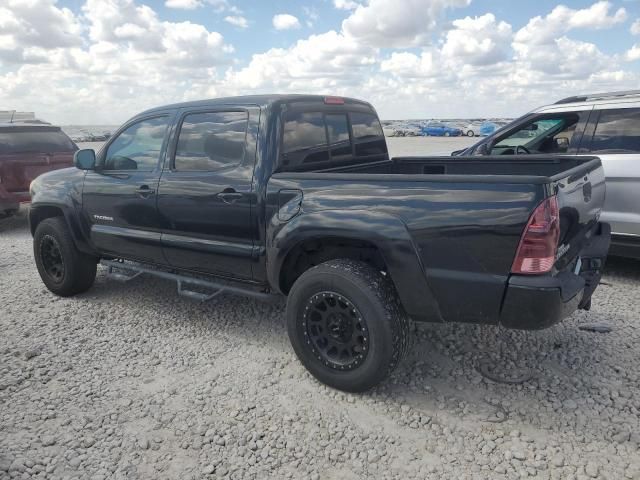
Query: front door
205	193
120	196
614	137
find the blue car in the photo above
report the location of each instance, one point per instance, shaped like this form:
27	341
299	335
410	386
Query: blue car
487	128
439	129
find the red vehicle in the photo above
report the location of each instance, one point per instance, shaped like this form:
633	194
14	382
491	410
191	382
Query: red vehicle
26	151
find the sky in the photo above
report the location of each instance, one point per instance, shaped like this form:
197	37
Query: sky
101	61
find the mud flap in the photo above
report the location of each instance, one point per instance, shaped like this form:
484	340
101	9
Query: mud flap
593	258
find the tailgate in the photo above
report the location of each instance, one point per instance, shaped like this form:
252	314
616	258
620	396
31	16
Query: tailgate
581	194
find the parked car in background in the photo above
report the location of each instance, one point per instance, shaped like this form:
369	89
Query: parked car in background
471	129
296	195
439	129
26	151
606	125
487	128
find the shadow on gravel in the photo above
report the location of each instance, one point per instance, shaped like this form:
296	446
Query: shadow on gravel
623	267
18	222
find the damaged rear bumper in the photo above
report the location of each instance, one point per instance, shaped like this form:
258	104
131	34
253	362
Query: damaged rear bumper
536	302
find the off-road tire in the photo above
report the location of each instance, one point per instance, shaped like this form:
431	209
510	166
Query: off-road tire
374	296
79	269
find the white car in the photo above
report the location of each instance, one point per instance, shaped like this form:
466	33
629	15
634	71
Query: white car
606	125
471	129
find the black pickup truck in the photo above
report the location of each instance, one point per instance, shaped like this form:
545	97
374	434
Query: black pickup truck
296	195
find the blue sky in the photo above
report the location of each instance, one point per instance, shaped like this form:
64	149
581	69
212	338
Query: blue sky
103	60
262	35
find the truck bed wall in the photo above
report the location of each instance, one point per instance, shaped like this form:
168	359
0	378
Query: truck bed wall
529	165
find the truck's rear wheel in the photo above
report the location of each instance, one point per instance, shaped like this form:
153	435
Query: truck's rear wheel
346	324
63	269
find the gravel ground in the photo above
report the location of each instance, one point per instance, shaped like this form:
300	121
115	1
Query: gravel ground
132	381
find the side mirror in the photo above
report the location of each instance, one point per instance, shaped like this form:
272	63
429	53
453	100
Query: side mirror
85	159
483	149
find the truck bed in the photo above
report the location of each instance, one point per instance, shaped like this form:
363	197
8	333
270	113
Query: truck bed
464	218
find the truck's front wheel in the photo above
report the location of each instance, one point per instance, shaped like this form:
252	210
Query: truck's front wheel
63	269
346	324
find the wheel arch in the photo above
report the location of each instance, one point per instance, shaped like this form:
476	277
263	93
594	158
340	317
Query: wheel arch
42	211
378	238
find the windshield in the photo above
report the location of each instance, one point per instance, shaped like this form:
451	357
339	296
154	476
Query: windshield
547	134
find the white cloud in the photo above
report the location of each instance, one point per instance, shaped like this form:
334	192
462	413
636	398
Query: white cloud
237	21
183	4
29	29
326	61
410	65
345	4
400	23
541	30
635	27
633	53
478	41
284	21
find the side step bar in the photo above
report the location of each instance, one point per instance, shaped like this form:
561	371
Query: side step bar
117	271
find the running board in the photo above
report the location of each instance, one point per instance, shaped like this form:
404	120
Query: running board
181	280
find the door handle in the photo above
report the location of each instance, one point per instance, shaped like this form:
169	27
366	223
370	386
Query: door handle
229	195
144	191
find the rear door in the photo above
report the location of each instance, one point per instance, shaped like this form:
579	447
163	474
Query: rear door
205	194
120	196
614	136
28	151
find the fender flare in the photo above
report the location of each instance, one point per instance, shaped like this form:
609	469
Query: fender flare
387	232
71	219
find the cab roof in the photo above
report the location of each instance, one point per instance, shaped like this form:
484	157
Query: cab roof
257	100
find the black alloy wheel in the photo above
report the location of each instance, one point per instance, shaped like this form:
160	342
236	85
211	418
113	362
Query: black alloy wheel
335	331
52	258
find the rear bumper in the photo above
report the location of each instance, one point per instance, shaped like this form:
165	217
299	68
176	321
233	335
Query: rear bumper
536	302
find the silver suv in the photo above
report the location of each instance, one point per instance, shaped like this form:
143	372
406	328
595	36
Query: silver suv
606	125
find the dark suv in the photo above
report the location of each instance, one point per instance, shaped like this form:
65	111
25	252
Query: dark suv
26	151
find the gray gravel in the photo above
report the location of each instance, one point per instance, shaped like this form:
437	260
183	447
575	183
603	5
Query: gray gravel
132	381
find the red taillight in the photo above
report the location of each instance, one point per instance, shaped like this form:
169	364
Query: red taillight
334	100
539	242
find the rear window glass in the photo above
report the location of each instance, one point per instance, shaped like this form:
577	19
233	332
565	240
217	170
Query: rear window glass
617	131
338	128
303	131
320	140
365	125
38	141
367	131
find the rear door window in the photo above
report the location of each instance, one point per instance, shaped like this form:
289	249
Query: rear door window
16	140
617	131
211	140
